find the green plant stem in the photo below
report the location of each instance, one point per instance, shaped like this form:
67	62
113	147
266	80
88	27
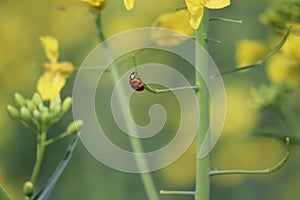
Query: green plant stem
202	164
57	138
271	170
225	20
261	61
158	91
41	146
135	142
177	192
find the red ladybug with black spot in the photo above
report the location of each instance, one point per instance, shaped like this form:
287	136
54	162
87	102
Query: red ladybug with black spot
135	82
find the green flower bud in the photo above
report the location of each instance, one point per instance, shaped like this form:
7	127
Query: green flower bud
25	114
30	105
13	112
42	108
46	117
55	101
55	109
19	99
67	104
74	127
28	189
37	99
37	114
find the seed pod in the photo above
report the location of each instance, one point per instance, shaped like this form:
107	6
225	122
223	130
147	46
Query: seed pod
13	112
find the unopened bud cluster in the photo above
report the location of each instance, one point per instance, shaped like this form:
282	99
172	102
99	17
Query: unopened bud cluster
36	111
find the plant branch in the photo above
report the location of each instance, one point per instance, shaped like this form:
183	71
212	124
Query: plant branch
135	142
261	61
41	146
202	188
177	192
271	170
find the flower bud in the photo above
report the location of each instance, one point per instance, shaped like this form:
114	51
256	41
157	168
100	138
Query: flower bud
30	105
67	104
19	99
37	115
13	112
74	127
25	114
37	99
46	117
42	108
28	189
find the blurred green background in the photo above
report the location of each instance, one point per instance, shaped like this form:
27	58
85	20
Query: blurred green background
21	57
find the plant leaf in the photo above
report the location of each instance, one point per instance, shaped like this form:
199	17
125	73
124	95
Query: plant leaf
46	191
3	195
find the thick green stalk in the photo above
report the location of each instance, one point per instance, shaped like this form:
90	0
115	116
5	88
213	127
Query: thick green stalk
41	146
202	164
135	142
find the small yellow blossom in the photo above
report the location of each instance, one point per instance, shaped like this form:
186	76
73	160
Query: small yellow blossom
177	21
196	9
291	47
282	68
249	51
54	78
129	4
95	5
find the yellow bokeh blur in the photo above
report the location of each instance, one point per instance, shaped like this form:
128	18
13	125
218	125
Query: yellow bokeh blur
248	52
283	69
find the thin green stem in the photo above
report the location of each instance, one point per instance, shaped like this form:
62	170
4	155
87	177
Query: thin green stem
225	20
271	170
177	192
202	164
135	142
261	61
158	91
41	146
57	138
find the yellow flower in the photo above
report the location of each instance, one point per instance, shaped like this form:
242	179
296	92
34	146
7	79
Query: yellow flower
291	47
196	9
95	5
177	21
249	51
54	78
129	4
282	68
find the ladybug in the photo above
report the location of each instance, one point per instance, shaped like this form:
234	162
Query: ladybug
135	82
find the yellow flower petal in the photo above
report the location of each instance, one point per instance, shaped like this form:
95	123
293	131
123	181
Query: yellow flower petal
217	4
249	51
195	20
194	6
49	85
95	5
65	69
129	4
291	47
177	21
50	45
281	69
196	10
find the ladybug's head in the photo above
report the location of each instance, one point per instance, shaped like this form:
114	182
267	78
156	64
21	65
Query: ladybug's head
132	75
